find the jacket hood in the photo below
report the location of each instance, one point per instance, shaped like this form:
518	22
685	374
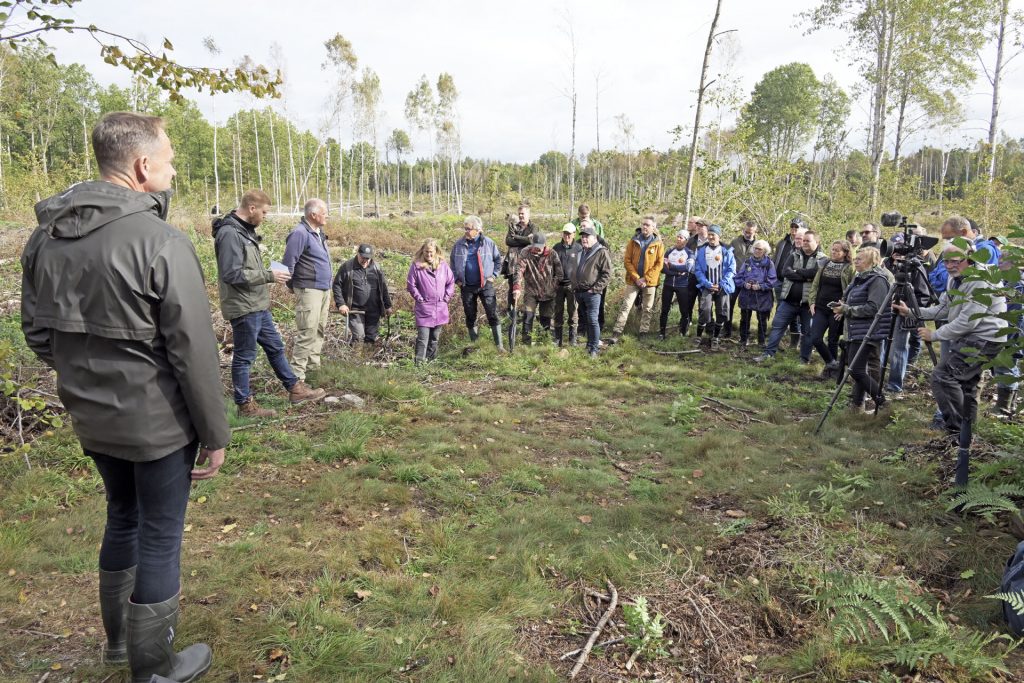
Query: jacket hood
86	207
230	219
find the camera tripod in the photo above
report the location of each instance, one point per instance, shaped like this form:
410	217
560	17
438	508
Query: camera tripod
899	291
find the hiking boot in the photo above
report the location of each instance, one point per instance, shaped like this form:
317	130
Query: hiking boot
661	335
763	358
300	393
151	645
115	589
592	354
716	343
252	409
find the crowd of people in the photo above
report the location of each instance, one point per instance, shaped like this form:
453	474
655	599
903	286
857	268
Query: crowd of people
113	300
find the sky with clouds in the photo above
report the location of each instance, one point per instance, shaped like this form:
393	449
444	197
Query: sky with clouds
510	61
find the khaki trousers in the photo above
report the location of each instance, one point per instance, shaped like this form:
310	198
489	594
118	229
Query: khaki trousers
312	307
646	311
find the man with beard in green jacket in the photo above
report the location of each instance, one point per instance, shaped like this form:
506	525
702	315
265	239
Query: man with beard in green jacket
113	299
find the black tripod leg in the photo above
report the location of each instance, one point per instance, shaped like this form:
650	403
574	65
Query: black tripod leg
963	454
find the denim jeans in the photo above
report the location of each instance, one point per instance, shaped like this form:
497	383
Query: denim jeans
249	330
589	307
785	315
899	353
145	519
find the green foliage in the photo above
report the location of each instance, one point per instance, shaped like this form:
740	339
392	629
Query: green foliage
646	633
782	112
986	501
131	53
863	608
1015	600
964	648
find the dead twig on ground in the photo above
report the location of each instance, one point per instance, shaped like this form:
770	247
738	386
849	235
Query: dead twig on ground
622	468
607	643
677	353
290	418
597	630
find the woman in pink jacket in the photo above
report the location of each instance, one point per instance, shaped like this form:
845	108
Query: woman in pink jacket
431	284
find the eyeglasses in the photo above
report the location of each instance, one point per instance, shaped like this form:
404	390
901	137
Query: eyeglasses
953	261
867	232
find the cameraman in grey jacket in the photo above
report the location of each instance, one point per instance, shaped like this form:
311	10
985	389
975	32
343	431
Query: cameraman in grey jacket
972	309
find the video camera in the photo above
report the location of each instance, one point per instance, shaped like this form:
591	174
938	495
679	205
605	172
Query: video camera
906	243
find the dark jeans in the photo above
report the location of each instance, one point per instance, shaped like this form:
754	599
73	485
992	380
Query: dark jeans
864	370
794	325
426	343
713	305
762	324
955	382
600	312
785	315
825	321
249	330
589	307
145	518
470	294
667	294
692	296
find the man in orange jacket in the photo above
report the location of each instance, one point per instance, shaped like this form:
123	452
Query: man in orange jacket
644	258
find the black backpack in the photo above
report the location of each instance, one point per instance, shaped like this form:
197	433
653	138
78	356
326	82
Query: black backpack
1013	583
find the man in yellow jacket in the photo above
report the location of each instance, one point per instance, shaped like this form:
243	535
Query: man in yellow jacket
645	255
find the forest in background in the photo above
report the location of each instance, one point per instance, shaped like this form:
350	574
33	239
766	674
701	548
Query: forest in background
786	146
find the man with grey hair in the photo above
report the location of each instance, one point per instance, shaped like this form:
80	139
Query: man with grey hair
476	261
309	263
973	312
113	300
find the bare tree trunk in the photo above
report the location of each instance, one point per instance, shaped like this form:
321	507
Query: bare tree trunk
700	106
238	139
259	163
900	122
880	97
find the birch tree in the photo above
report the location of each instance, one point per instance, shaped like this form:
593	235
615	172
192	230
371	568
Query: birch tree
420	112
342	59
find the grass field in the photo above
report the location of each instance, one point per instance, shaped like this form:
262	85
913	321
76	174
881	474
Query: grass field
457	527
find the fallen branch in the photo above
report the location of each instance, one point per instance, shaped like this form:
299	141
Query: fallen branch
290	418
597	630
726	405
613	641
677	353
622	468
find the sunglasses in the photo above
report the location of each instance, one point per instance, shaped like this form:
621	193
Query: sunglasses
867	232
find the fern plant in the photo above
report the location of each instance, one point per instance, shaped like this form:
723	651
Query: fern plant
864	608
986	501
1015	600
964	648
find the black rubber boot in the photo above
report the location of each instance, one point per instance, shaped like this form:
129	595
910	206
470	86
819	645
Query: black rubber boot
151	645
115	589
474	333
572	336
556	333
496	333
528	329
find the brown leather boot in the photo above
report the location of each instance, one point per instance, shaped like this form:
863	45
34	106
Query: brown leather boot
301	392
251	409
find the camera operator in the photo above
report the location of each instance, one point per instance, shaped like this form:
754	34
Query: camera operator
906	344
971	325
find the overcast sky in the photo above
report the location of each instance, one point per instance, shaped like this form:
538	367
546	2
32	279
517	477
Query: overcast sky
509	61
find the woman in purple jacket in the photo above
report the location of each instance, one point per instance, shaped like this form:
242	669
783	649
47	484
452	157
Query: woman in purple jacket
431	284
754	282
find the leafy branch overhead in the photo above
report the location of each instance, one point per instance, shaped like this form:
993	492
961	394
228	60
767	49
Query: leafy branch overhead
26	21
